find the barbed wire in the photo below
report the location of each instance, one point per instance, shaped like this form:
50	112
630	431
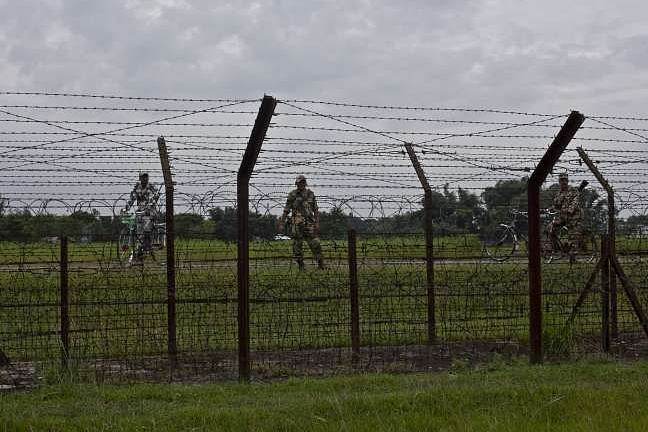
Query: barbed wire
340	147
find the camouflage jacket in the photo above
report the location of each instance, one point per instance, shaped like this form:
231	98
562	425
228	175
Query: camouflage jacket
303	206
567	203
145	197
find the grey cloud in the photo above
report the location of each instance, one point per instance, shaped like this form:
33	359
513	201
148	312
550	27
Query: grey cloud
498	53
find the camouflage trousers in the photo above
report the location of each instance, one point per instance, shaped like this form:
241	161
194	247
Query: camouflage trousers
305	231
144	230
574	224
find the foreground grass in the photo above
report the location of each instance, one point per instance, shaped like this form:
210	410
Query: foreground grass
571	397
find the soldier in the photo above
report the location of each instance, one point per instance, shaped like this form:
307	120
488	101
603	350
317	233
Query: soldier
305	222
146	196
567	204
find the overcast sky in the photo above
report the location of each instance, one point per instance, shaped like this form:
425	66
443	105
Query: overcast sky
549	56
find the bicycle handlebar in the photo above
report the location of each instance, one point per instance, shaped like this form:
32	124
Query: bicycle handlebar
546	211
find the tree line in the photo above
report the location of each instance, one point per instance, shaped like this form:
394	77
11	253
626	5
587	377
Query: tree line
454	212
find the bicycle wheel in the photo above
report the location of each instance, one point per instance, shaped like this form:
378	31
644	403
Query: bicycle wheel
592	247
559	248
501	245
124	246
547	251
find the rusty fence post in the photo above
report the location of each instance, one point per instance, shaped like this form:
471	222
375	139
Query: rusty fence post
266	110
605	293
429	244
539	175
64	303
172	347
354	297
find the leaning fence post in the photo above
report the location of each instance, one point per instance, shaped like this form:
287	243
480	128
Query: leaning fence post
64	304
172	347
429	243
538	177
611	232
354	296
250	156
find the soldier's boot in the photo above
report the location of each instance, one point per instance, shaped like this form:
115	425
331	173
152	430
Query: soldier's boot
320	263
300	265
4	360
137	257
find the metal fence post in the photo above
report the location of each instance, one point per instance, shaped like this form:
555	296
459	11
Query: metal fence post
605	293
611	232
354	296
266	110
64	304
429	244
172	347
538	177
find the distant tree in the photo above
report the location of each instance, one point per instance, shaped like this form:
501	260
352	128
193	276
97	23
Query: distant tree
506	194
333	224
188	225
225	222
263	226
3	205
635	224
468	207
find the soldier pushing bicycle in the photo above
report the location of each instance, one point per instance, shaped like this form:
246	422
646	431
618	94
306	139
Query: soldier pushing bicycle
140	239
568	213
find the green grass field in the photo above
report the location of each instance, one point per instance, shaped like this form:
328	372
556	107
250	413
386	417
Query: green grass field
196	250
120	312
582	396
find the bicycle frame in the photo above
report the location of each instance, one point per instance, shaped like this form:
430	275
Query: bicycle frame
132	244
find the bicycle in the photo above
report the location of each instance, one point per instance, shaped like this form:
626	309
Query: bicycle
133	246
506	239
561	247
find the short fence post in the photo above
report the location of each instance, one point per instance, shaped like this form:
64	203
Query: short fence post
429	268
172	347
614	323
355	300
605	293
64	304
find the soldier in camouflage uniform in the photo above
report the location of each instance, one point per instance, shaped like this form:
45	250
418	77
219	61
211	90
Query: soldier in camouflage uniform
146	196
567	202
305	222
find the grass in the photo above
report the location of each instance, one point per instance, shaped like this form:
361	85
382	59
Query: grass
584	396
121	312
218	250
397	246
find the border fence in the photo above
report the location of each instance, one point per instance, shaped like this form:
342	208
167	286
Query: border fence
431	227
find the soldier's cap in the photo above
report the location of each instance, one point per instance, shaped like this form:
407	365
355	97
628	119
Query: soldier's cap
563	176
300	178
